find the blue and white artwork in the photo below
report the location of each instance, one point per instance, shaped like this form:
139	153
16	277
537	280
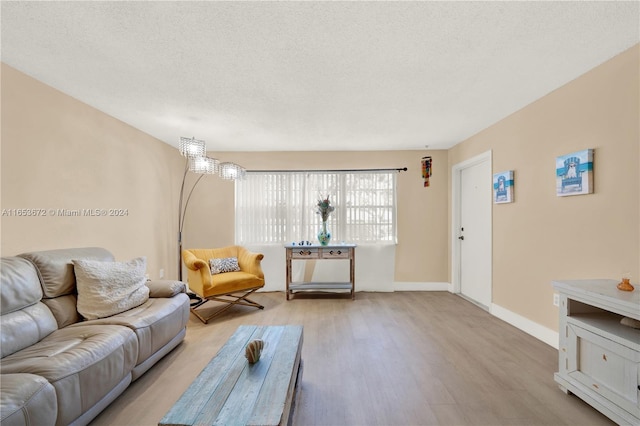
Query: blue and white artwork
503	187
574	173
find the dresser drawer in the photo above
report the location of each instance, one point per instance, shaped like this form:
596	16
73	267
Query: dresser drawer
608	368
335	253
305	253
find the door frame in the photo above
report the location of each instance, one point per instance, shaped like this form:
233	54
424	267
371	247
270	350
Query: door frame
456	193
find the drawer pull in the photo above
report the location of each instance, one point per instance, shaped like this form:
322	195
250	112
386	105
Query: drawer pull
302	252
335	252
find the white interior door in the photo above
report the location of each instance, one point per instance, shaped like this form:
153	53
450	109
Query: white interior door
473	230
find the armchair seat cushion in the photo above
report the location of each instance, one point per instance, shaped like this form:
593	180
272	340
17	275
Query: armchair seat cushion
230	282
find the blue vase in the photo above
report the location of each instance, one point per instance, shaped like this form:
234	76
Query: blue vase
324	236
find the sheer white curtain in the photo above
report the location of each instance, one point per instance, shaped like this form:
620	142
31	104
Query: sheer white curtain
280	207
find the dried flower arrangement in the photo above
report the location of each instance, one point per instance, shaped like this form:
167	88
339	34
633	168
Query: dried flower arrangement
324	208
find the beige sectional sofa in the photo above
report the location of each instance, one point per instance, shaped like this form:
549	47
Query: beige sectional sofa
58	368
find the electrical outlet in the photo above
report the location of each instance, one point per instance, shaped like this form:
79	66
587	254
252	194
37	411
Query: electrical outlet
161	274
556	299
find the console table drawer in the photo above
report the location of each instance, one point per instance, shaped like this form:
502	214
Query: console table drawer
305	253
335	253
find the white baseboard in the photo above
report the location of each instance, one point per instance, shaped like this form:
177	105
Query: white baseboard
538	331
420	286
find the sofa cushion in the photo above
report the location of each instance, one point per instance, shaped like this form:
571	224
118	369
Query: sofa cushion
155	322
109	288
27	399
64	309
25	320
55	270
21	329
83	363
19	285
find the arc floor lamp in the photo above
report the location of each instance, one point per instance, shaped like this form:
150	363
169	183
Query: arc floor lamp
196	161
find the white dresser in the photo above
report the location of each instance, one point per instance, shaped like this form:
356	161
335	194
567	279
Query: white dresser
599	358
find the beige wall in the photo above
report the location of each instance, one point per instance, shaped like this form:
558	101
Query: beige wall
58	153
421	254
542	237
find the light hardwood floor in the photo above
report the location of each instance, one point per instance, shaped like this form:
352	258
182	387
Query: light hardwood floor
404	358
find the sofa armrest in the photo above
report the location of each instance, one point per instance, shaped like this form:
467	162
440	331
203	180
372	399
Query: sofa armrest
165	288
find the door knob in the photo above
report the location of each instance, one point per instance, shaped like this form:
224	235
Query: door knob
461	237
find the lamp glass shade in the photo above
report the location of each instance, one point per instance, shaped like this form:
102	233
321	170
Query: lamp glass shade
231	171
203	165
192	147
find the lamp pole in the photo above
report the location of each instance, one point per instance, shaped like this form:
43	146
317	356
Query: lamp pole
182	210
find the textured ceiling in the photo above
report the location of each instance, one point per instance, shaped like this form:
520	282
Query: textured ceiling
271	76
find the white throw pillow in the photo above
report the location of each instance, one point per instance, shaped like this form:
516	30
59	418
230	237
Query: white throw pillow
109	288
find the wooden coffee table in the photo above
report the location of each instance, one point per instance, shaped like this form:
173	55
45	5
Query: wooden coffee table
230	391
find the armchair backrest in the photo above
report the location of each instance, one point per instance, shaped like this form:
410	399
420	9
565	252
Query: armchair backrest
215	253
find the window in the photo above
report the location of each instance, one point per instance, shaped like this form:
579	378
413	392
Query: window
280	207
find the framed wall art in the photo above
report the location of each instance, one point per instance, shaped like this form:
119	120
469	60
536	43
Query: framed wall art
574	173
503	187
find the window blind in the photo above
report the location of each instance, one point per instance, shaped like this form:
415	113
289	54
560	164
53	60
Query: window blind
280	207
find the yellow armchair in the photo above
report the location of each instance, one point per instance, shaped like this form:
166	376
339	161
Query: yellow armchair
231	288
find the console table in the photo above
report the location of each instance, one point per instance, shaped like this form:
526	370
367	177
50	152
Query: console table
319	252
599	358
